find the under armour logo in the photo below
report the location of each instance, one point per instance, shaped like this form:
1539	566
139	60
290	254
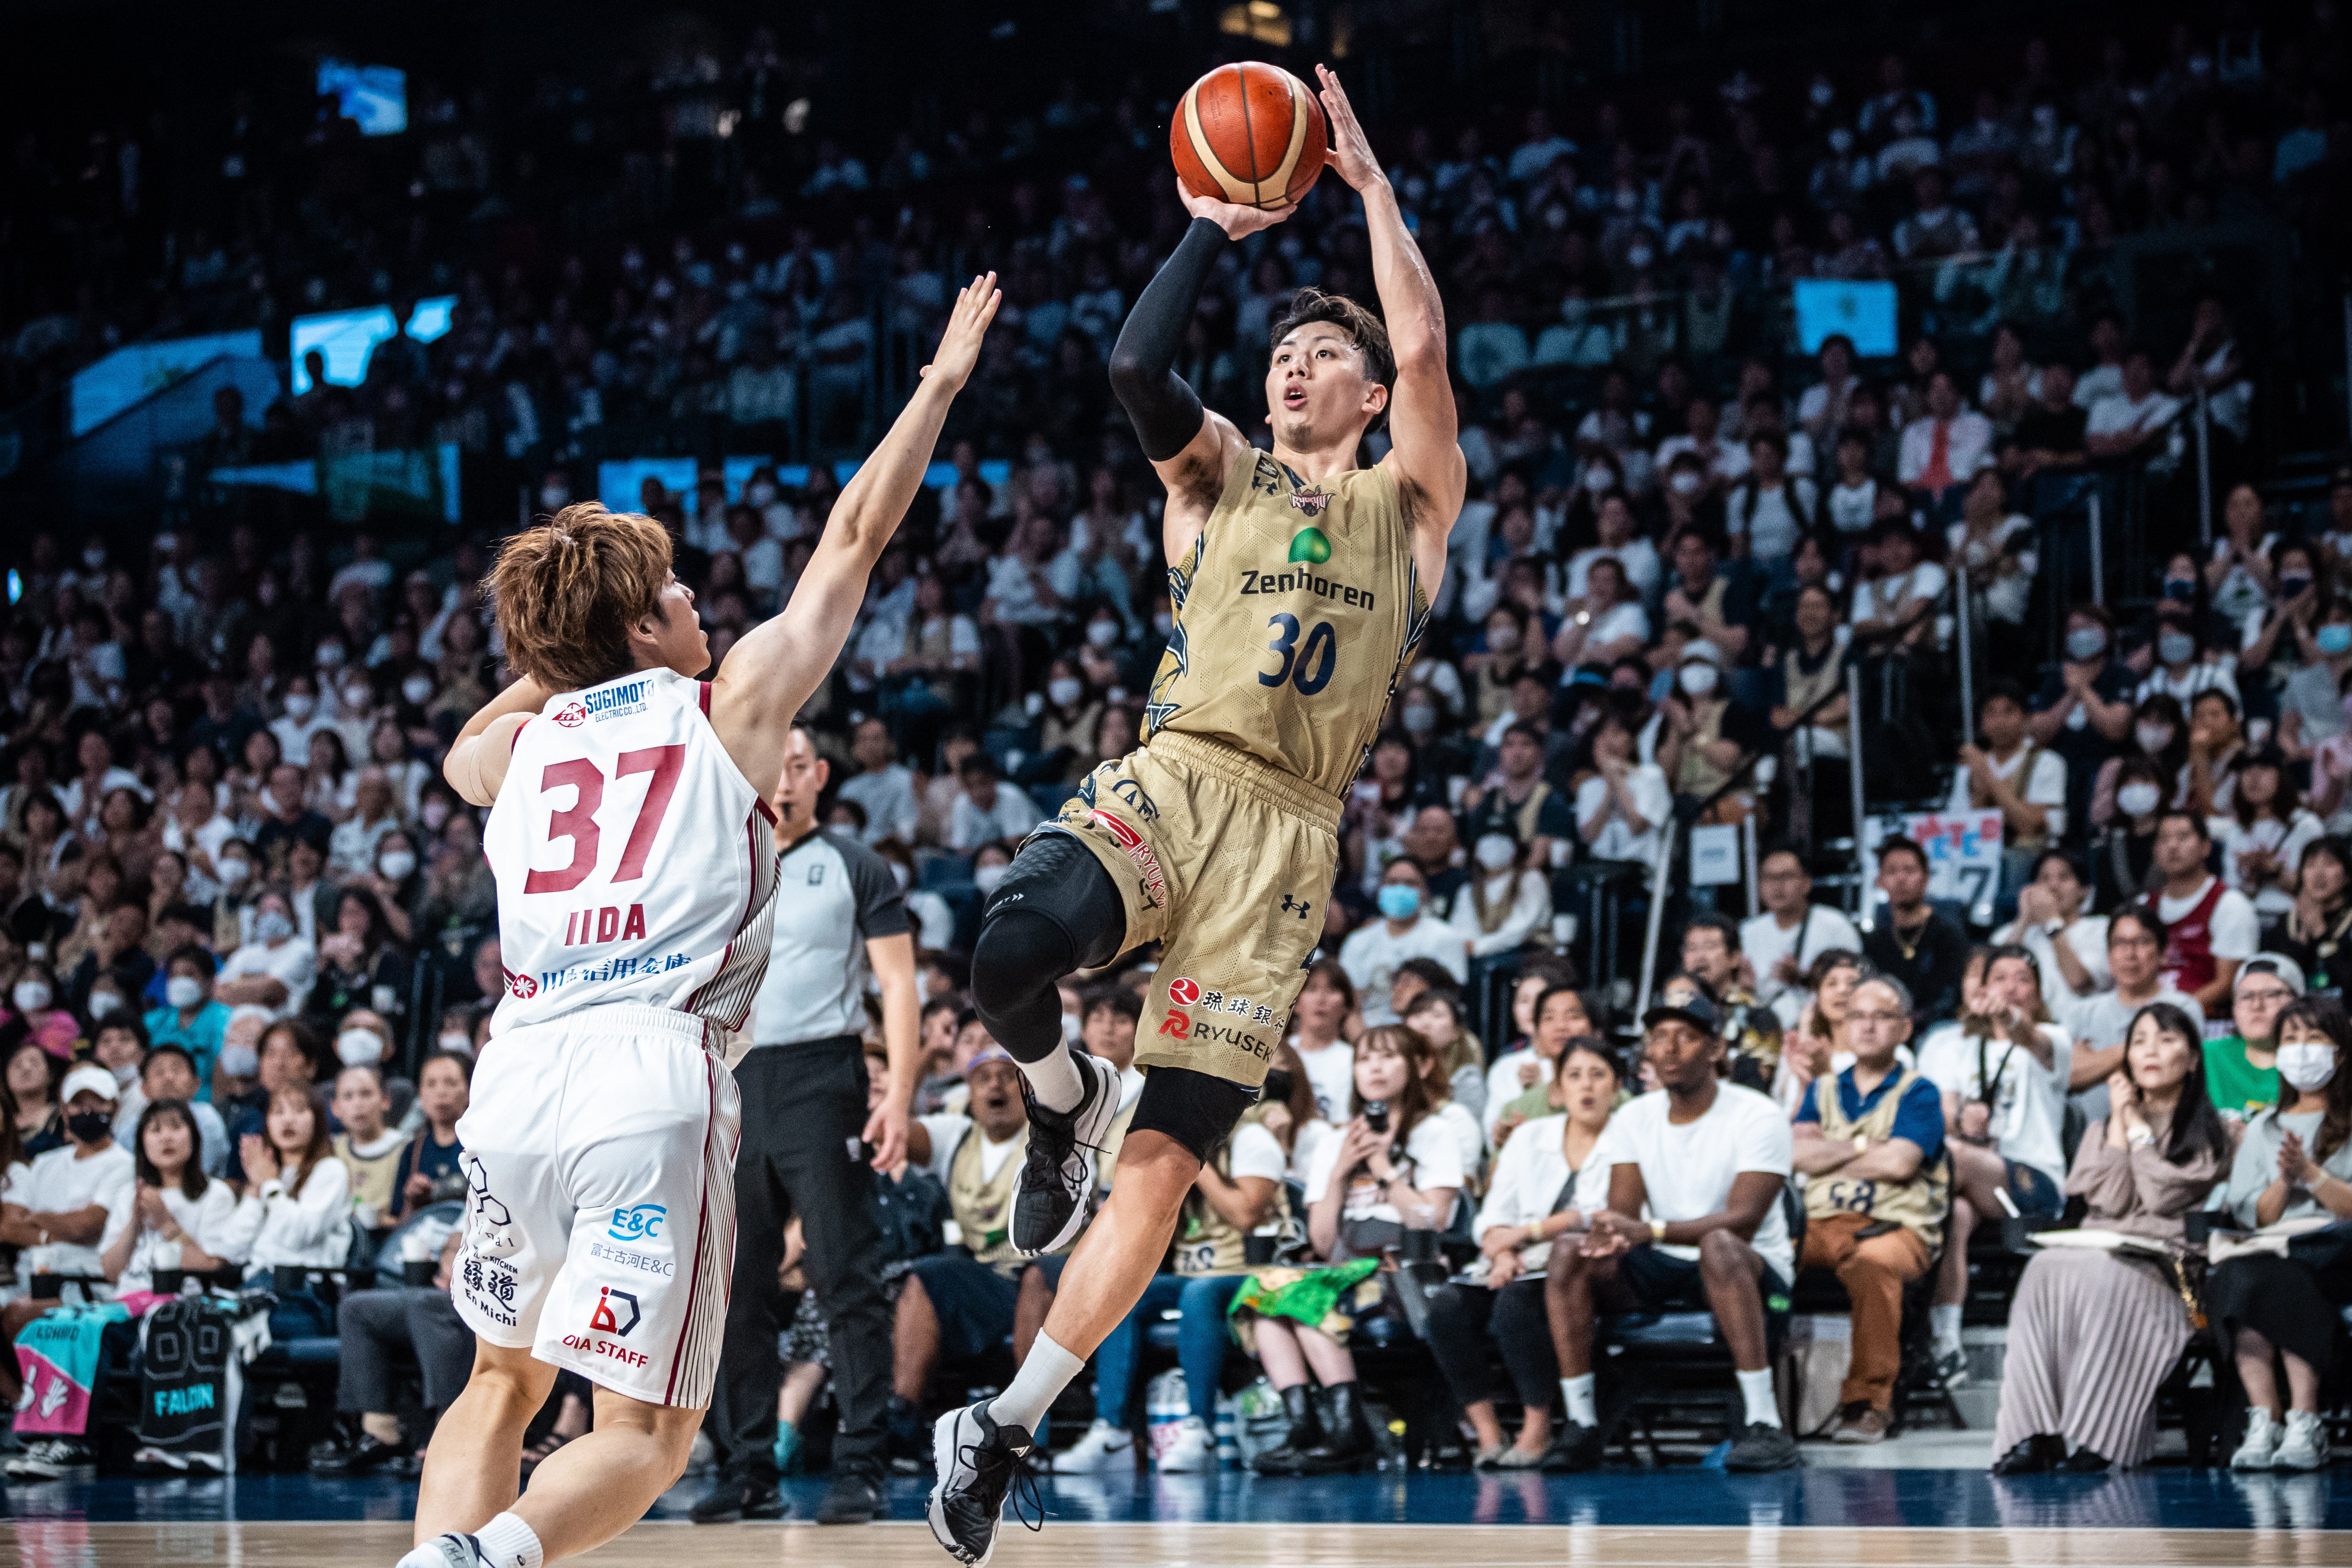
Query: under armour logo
1293	905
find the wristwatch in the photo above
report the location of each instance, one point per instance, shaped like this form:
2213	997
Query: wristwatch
1658	1230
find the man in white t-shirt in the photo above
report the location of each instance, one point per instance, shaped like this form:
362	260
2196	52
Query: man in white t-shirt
74	1202
1782	943
1697	1170
2009	774
1407	929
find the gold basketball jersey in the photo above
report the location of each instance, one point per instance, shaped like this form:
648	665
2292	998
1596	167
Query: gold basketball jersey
1295	614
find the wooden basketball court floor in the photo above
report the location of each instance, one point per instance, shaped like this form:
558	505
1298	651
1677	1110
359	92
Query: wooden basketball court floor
1686	1517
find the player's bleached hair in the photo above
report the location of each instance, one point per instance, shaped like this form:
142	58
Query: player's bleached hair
1364	330
568	589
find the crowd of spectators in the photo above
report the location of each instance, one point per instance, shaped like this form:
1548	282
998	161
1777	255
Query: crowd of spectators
246	930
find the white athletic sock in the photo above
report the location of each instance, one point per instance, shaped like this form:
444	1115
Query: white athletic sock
1049	1370
1756	1390
1053	1079
1943	1325
508	1543
1578	1392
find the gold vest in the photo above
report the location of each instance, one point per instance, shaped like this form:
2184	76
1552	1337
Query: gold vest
1206	1241
1296	613
982	1210
1918	1204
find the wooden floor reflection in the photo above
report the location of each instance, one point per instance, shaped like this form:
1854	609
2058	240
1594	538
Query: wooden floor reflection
72	1544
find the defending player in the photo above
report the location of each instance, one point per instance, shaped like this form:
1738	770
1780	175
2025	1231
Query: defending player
637	882
1300	583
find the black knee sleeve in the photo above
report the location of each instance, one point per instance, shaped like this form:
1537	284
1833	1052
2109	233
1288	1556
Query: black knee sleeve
1195	1109
1055	911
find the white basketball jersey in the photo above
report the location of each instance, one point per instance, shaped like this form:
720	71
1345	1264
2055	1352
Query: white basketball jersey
635	863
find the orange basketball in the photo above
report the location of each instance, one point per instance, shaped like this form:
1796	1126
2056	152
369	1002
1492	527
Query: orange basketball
1251	134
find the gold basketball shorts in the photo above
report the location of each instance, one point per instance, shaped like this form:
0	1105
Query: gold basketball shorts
1225	861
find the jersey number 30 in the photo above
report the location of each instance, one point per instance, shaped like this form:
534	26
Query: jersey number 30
577	822
1309	667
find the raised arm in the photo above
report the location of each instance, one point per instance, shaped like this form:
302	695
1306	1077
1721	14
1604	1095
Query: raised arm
477	763
772	671
1423	422
1190	448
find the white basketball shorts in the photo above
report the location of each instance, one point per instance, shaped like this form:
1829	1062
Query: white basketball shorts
600	1229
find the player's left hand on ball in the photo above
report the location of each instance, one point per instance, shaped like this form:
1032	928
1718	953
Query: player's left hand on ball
975	307
1351	150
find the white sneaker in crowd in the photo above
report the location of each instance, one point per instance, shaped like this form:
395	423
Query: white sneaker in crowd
1192	1450
1104	1448
2305	1447
2262	1435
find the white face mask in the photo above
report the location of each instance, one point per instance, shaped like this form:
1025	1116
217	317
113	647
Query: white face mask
1597	479
234	872
1686	483
331	655
453	1041
359	696
357	1048
553	497
2136	799
1063	692
1420	717
2153	738
1495	852
1698	680
103	1003
2308	1067
1102	634
417	689
987	877
240	1061
31	995
298	705
1503	639
183	991
395	864
437	813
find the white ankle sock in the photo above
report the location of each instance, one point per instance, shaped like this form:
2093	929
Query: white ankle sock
1756	1392
508	1543
1578	1392
1053	1079
1049	1370
1944	1324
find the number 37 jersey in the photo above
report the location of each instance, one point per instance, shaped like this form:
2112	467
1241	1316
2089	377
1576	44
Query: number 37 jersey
635	862
1295	614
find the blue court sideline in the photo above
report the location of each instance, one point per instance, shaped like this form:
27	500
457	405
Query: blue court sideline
2163	1497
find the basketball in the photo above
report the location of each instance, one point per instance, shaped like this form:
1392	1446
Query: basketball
1251	134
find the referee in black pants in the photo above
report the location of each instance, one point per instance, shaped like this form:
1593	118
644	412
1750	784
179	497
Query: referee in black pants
839	917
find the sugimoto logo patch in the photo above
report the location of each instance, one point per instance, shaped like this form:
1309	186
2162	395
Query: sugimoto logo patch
1309	544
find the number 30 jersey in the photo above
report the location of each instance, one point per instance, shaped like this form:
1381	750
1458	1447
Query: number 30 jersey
1295	614
635	862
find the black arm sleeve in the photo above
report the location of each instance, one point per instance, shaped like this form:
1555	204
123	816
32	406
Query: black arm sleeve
1165	412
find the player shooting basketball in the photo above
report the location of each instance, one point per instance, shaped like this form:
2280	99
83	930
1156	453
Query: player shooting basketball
1300	583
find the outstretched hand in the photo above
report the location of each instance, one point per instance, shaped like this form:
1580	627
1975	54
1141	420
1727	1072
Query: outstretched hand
975	307
1351	149
1235	219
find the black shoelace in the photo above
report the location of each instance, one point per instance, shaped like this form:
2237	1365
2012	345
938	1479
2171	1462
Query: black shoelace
996	1469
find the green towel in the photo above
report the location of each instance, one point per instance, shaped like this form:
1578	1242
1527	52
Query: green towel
1309	1296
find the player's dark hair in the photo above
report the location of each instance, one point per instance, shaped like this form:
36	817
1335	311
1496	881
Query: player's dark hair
1363	329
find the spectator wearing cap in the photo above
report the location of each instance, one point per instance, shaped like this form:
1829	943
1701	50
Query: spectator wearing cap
1408	928
73	1202
1878	1186
1705	1161
190	1017
2242	1067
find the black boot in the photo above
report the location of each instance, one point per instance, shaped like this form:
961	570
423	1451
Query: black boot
1299	1404
1346	1443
